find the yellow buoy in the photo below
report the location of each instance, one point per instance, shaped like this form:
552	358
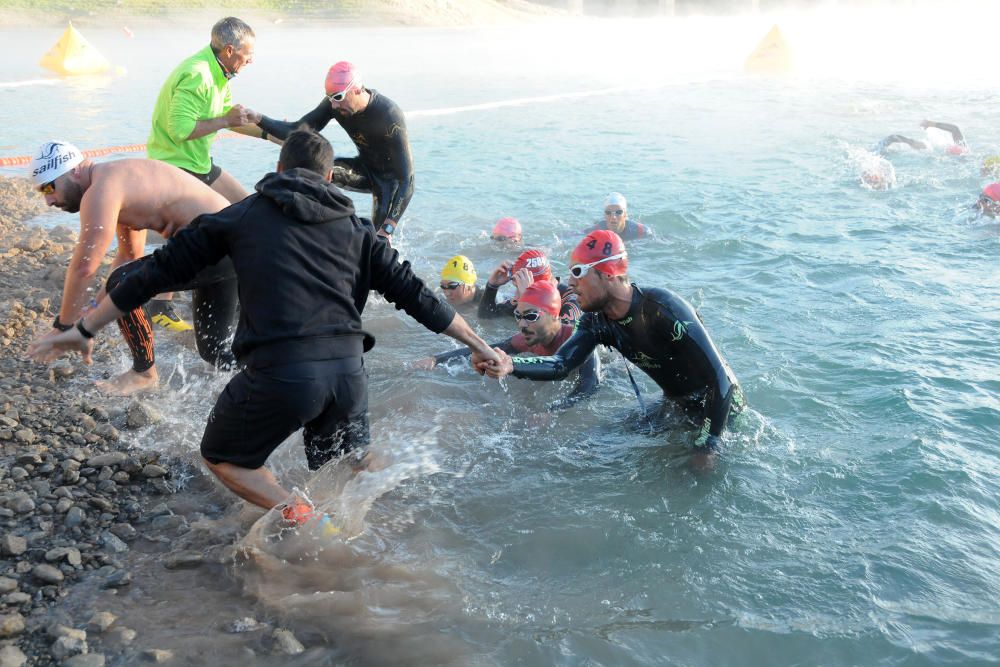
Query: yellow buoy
73	54
772	55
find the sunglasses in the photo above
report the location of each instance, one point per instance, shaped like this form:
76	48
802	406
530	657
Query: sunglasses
580	270
450	286
531	316
614	211
47	188
339	97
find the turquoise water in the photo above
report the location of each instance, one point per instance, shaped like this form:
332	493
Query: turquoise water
853	518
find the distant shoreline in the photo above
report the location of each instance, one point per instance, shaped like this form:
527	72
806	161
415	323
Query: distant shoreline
425	13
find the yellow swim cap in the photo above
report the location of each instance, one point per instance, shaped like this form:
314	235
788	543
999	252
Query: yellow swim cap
460	269
991	165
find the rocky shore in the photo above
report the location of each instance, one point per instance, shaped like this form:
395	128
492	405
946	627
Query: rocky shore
74	499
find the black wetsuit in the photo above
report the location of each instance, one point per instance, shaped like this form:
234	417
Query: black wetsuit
569	312
663	335
383	166
633	230
586	383
306	265
213	301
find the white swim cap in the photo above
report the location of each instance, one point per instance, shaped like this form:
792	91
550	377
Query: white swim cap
53	159
616	199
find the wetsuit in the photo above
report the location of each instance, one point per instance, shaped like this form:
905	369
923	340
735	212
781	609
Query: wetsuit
306	265
663	335
632	231
586	383
383	166
569	312
214	300
883	146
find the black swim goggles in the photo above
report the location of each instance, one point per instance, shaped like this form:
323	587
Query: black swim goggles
450	286
531	316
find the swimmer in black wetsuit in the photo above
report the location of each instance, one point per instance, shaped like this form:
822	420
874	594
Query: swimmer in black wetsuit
541	333
957	147
655	329
616	220
383	166
530	266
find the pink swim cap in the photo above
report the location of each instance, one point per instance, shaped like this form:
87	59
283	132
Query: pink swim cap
507	227
341	76
992	191
956	149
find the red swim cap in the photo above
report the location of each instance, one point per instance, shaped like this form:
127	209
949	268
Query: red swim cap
992	191
340	76
542	295
956	149
599	245
507	227
536	262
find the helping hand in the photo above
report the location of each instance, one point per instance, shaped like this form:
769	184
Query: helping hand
53	345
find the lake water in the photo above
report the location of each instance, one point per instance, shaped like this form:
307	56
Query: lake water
853	517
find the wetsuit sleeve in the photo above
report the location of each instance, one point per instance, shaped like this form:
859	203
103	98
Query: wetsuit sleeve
200	244
316	120
956	134
883	145
400	163
396	281
504	345
489	308
586	384
571	355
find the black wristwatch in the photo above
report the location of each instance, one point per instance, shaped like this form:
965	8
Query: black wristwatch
56	324
388	228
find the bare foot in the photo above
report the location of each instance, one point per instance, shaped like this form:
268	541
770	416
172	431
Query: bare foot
130	382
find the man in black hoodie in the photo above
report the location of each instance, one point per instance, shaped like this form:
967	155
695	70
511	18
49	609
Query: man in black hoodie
305	265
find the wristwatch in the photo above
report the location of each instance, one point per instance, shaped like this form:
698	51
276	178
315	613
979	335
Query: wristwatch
388	228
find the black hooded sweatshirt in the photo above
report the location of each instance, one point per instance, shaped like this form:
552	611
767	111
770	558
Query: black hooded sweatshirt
305	264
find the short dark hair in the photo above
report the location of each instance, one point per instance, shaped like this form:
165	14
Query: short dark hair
306	149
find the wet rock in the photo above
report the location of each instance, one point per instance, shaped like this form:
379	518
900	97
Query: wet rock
112	543
75	516
25	435
62	369
141	414
184	560
102	504
11	625
160	509
29	458
101	621
285	642
12	656
70	554
86	660
152	471
68	646
110	459
16	598
245	624
7	422
121	477
157	655
7	585
63	505
121	634
21	503
172	522
57	630
107	431
47	574
124	531
118	579
18	473
13	545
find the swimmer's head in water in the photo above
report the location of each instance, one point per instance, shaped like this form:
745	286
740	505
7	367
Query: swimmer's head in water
989	200
507	231
52	161
537	312
879	176
615	211
343	84
956	149
991	166
458	280
536	262
602	251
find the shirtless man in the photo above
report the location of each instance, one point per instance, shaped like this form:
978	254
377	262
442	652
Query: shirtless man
123	199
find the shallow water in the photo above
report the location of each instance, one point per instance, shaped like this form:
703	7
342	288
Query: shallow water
853	518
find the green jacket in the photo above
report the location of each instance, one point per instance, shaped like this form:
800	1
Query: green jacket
196	90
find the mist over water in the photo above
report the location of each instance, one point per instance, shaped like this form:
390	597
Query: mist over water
853	518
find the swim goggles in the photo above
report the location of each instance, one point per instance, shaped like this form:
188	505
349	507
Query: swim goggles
339	97
450	286
527	317
614	211
47	188
580	270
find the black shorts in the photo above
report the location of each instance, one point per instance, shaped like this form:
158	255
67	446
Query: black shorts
261	407
211	177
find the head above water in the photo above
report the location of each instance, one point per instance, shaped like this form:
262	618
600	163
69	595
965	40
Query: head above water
989	200
537	312
458	280
306	149
615	211
507	230
536	262
233	42
598	267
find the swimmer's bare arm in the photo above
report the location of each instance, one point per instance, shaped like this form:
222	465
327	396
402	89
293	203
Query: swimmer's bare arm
956	134
98	224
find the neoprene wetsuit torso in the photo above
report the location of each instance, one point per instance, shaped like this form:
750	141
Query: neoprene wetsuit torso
663	335
632	231
383	166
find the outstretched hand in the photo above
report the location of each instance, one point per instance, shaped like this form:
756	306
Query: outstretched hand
497	367
55	344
